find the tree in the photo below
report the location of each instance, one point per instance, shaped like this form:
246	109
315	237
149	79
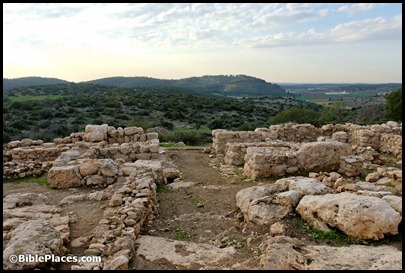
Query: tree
393	105
335	114
297	115
139	121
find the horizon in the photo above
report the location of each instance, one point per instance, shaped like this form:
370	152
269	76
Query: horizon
277	42
279	83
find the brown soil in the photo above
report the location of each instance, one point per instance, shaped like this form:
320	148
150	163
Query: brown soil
203	213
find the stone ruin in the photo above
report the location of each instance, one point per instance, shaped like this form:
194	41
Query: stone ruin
292	148
320	166
323	167
99	157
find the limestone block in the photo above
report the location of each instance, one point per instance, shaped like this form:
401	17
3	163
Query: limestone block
89	167
63	177
321	156
363	217
35	237
108	167
95	133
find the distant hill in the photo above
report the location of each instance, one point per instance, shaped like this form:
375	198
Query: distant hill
29	81
232	85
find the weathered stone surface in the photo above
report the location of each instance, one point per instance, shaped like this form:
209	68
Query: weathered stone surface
119	262
304	186
373	177
72	198
285	253
89	167
63	177
65	157
116	200
95	133
266	204
395	202
96	180
363	217
181	253
340	136
109	167
129	131
178	185
34	237
23	199
321	156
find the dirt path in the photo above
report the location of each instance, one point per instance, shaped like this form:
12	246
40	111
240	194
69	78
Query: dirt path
202	213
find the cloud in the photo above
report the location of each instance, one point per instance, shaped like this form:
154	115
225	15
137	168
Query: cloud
42	11
367	30
177	26
355	31
360	7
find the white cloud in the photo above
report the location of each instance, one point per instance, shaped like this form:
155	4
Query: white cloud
360	7
355	31
152	35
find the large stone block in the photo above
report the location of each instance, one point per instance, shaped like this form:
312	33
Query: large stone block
363	217
63	177
95	133
322	156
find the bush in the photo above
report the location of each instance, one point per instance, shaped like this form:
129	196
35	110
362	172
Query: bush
394	105
297	115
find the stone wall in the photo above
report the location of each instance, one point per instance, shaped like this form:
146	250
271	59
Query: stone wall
369	135
222	137
28	157
235	152
307	157
80	168
249	148
129	152
392	144
364	136
45	152
134	204
285	132
97	133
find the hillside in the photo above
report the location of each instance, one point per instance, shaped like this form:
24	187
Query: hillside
49	111
225	85
29	81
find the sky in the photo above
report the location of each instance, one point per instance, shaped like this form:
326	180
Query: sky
277	42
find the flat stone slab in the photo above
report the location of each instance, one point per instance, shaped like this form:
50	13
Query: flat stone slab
286	253
180	253
178	185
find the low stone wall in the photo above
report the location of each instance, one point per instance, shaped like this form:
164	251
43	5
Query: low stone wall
129	152
79	168
391	144
369	135
235	152
134	204
28	169
307	157
222	137
25	161
285	132
231	146
40	153
297	132
28	157
270	161
97	133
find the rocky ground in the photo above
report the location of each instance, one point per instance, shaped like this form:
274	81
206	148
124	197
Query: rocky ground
199	225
